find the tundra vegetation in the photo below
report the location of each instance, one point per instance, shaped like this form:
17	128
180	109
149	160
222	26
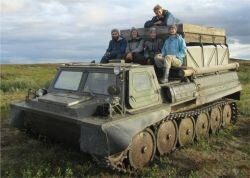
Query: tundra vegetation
225	154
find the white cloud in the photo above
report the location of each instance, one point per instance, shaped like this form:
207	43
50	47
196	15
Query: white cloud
11	6
239	50
36	30
43	61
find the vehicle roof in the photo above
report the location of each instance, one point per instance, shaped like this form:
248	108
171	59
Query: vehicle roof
102	66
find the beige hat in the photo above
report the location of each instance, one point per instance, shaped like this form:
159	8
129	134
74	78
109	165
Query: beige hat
134	29
115	30
152	29
172	26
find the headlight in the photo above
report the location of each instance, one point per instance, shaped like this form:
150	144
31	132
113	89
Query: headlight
41	92
117	70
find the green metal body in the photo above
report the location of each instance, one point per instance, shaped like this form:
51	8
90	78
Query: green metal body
92	122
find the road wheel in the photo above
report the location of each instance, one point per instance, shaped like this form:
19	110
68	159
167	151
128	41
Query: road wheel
226	116
186	131
202	126
215	119
142	149
166	137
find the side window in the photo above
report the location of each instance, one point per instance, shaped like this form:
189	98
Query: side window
141	82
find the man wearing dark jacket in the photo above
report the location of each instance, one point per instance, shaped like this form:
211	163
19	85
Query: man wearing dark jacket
116	48
152	46
163	18
134	50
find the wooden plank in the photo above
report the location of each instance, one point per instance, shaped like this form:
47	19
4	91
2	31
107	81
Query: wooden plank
191	33
182	28
190	28
196	38
193	38
220	40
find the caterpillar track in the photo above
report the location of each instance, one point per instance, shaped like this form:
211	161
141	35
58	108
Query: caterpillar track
125	162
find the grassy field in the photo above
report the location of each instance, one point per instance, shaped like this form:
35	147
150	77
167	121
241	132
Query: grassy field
226	154
17	79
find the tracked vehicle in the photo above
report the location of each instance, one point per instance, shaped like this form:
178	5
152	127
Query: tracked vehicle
123	117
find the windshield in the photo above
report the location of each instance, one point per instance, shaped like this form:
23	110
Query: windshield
99	82
68	80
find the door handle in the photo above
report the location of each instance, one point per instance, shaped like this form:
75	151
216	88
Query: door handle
133	98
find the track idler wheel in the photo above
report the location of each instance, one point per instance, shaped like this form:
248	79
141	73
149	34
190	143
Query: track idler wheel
166	137
186	131
215	119
202	126
142	149
226	115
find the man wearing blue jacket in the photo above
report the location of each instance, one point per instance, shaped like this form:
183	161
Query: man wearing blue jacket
162	18
116	48
172	54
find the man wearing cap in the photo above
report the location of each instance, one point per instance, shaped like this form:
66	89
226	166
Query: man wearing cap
152	46
162	18
134	50
172	53
116	48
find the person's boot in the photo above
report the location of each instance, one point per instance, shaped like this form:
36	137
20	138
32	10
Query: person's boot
164	78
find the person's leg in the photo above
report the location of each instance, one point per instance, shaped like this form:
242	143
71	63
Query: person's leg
139	59
119	56
175	61
169	60
166	67
161	63
150	59
128	57
105	59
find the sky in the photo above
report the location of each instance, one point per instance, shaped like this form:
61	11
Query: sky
50	31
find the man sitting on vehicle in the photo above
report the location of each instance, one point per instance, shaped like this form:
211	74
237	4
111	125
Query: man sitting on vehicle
116	48
172	53
152	46
134	50
163	18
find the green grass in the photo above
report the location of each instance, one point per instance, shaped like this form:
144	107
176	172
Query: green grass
244	102
244	76
37	159
225	153
17	79
203	144
14	86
